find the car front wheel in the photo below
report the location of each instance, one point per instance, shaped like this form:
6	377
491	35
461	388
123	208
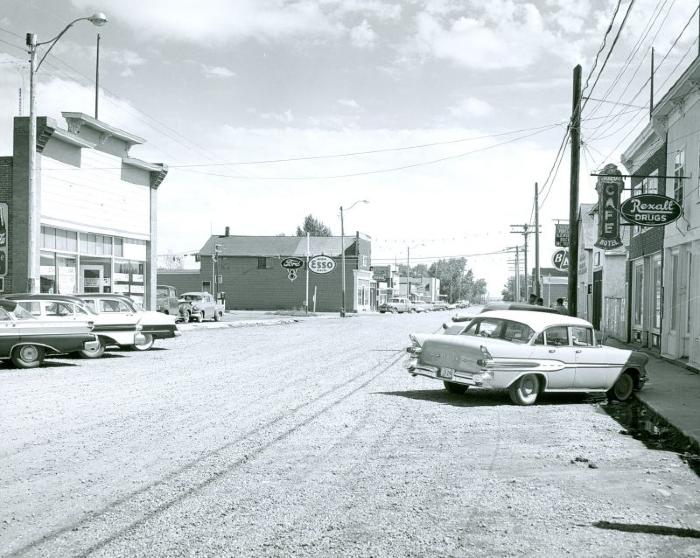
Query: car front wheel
217	316
525	390
28	356
623	388
457	389
147	344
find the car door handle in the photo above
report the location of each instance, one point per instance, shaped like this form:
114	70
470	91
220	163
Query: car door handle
552	350
578	350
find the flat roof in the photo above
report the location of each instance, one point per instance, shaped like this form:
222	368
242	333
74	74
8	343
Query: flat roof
90	122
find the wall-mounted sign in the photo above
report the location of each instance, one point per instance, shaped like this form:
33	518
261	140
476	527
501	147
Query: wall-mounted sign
3	244
292	263
321	264
609	187
561	235
651	210
560	260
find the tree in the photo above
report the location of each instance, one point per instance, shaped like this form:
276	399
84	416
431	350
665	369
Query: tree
314	227
508	291
457	282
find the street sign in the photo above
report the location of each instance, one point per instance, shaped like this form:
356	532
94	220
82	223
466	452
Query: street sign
561	235
292	263
560	260
321	264
651	210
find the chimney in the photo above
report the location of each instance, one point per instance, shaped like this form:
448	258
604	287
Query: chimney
228	231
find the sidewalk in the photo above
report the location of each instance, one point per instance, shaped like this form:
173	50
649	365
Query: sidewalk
672	391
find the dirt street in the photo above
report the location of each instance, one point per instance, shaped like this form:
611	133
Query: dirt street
311	439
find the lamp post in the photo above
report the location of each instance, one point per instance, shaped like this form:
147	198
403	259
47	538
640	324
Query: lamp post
98	19
342	255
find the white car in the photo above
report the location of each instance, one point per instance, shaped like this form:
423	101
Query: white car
110	328
527	353
154	325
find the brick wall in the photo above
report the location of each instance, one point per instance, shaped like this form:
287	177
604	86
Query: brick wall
6	197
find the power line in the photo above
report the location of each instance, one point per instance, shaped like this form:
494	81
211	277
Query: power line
602	46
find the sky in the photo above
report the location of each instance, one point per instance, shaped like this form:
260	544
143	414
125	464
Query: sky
443	114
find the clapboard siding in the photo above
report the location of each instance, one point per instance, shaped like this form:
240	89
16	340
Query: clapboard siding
94	198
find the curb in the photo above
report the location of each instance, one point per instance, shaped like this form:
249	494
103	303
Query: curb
692	440
234	325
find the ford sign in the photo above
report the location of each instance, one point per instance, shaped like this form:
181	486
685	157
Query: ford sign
651	210
321	264
292	263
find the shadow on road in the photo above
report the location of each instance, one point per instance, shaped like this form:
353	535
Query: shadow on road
485	398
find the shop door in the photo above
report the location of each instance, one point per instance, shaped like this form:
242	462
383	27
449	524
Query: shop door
91	278
597	298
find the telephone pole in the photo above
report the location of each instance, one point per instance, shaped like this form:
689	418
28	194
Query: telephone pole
536	278
573	191
517	275
525	231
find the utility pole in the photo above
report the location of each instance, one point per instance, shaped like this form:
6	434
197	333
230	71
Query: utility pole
536	278
517	274
408	268
525	231
651	83
575	131
97	77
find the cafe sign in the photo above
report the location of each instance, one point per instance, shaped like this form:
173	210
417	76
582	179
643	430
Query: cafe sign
651	210
609	186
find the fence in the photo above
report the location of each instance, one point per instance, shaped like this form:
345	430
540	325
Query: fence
615	318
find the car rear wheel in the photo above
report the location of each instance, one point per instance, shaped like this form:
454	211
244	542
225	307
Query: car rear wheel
186	316
147	344
457	389
217	316
27	356
97	353
525	390
394	311
623	388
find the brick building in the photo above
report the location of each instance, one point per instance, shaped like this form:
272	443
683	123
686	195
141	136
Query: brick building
96	226
248	270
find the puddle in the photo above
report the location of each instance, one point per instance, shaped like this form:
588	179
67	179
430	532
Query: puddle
643	424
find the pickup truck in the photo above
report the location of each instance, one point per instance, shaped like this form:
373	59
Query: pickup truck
200	306
396	305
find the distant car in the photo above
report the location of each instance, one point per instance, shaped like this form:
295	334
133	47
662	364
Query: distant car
527	353
419	306
110	328
200	306
396	305
154	325
166	300
26	341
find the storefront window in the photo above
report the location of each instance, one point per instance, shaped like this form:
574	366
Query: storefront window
129	279
67	275
638	289
657	292
47	270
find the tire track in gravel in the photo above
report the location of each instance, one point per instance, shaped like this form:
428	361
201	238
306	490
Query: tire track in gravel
213	476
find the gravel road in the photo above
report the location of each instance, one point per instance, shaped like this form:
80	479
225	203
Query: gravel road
310	439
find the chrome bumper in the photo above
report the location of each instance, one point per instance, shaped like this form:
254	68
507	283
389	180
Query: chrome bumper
177	332
139	339
91	345
483	378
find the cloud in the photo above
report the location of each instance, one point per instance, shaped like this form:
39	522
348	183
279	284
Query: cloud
124	59
217	72
363	36
502	35
470	107
350	103
219	21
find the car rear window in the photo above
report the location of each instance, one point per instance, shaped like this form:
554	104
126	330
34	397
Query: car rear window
498	328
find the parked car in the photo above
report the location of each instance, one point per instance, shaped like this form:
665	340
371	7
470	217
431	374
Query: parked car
110	328
154	325
420	306
473	311
200	306
167	300
26	341
527	353
396	305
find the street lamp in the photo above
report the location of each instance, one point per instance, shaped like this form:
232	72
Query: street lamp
98	19
342	255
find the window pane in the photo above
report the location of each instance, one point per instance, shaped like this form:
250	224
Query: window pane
107	245
61	240
48	272
119	247
50	238
99	244
557	335
582	336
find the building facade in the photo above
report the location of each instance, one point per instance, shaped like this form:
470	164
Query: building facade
645	159
676	117
95	210
248	271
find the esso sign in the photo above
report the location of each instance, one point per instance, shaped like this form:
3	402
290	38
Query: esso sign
560	260
321	264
